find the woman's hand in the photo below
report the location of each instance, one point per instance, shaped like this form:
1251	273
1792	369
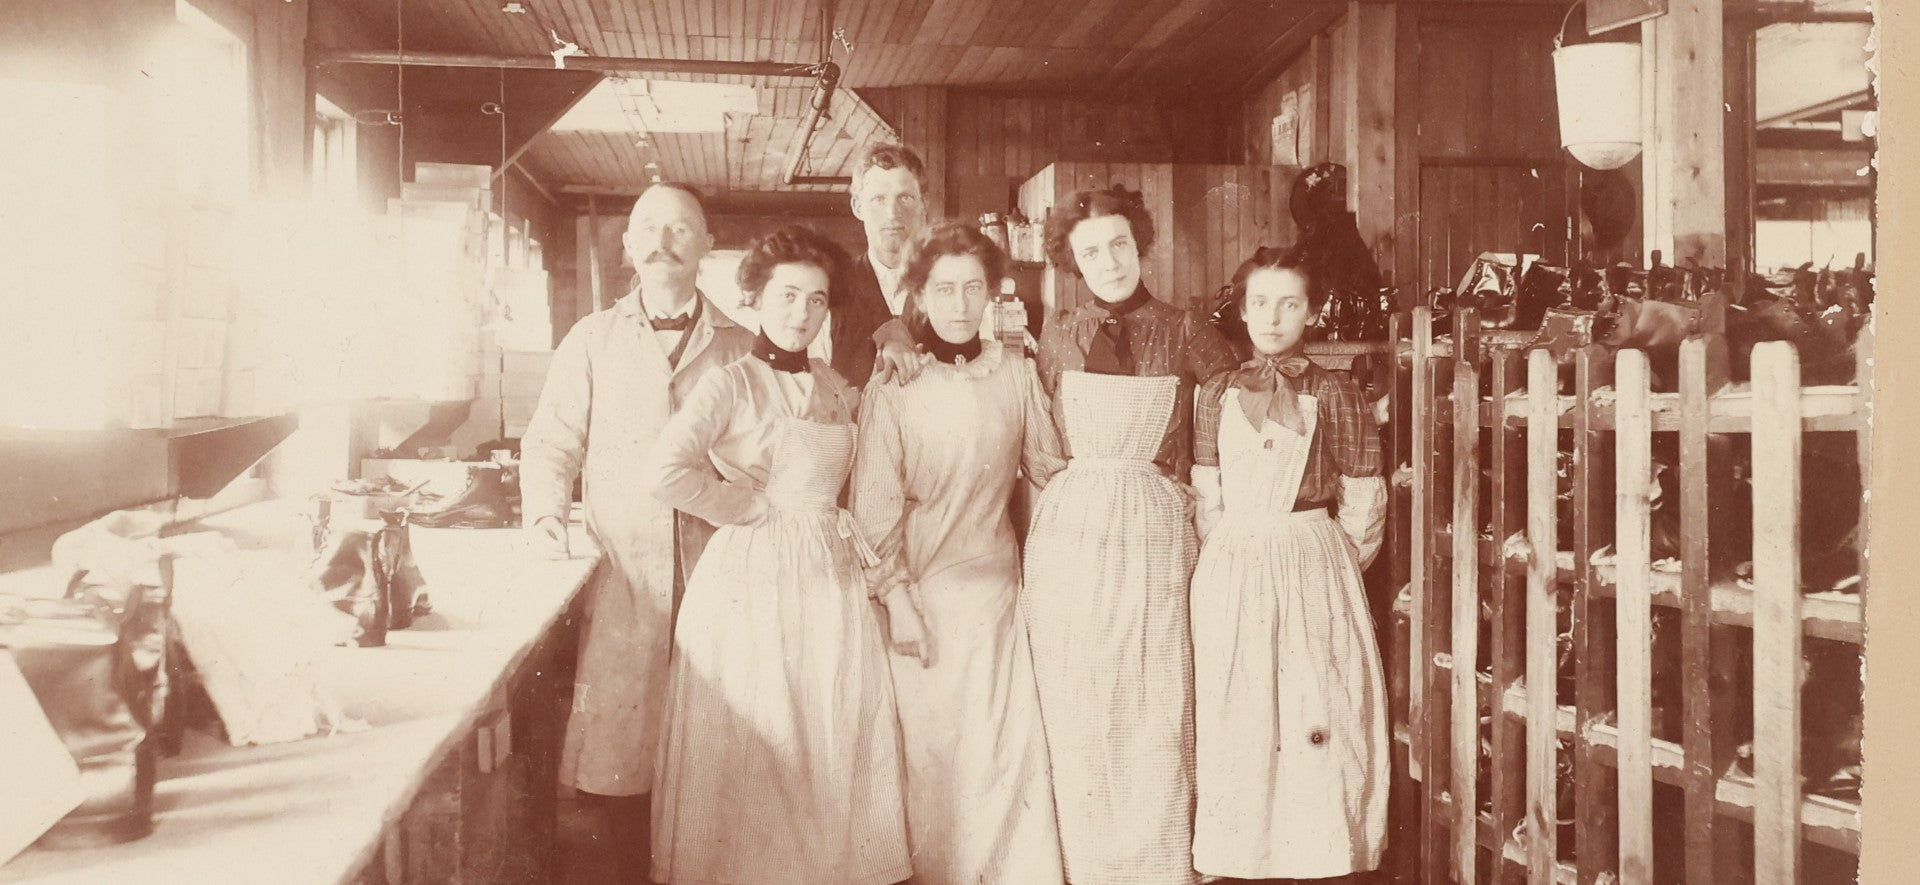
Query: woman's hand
907	627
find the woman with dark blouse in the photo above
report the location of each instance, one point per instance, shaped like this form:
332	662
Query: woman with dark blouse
1111	550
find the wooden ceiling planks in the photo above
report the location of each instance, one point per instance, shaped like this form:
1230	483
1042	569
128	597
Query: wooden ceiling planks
1088	26
1100	49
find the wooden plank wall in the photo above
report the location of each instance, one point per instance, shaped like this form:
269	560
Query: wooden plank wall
1264	104
983	145
1491	175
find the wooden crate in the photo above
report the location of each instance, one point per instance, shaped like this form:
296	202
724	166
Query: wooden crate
1445	703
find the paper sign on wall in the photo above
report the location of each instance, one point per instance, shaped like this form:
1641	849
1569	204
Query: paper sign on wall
1307	129
1286	151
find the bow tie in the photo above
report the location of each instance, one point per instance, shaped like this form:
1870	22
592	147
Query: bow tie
1267	393
680	323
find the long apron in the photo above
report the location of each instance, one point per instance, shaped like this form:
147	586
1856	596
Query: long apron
781	759
1289	706
1108	560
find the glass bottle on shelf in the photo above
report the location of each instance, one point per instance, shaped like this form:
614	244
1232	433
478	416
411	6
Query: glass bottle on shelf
1010	318
994	225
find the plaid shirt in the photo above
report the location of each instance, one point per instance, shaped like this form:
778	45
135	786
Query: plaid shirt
1165	340
1345	441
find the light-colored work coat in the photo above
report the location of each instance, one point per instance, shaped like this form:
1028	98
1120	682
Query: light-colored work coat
609	390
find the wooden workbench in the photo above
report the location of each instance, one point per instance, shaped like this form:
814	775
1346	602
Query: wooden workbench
353	807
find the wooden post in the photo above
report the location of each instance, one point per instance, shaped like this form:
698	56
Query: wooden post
1593	648
1633	472
1776	612
1508	779
1684	139
1466	613
1432	619
1420	537
1543	447
591	237
1372	31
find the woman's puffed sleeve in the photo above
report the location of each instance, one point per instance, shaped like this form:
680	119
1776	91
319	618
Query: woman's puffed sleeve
1040	450
683	475
879	499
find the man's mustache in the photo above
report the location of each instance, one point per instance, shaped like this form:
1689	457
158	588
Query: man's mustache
667	257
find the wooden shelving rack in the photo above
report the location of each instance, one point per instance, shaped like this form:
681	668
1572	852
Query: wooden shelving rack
1445	431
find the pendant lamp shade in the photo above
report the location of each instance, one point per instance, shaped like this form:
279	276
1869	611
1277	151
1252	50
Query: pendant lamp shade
1598	89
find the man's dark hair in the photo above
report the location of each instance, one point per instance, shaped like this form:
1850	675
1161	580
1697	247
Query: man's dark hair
887	155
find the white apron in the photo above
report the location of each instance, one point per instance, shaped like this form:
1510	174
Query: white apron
1289	706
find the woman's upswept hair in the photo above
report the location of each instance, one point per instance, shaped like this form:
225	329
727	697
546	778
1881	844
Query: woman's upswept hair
1115	200
794	244
949	238
1291	258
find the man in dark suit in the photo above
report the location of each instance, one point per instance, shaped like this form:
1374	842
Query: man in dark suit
889	198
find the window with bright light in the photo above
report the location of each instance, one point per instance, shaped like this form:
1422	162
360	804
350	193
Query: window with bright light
61	297
206	97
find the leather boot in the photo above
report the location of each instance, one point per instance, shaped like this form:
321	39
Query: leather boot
486	502
406	588
99	672
347	573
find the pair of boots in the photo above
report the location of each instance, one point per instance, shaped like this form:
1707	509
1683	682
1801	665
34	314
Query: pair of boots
369	572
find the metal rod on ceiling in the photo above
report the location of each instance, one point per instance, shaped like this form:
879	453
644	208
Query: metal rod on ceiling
591	63
822	101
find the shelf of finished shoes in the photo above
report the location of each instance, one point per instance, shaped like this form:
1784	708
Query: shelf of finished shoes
1835	407
1834	614
1827	821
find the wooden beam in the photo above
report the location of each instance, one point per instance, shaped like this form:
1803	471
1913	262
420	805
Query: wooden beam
1288	48
539	188
1837	167
542	130
727	202
601	64
1863	98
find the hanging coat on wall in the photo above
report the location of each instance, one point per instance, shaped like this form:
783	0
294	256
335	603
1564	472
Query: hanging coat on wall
609	390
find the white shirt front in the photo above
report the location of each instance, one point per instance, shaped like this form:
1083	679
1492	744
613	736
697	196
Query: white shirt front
889	278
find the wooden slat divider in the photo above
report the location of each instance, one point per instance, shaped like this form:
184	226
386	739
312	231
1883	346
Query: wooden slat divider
1466	616
1696	614
1418	538
1543	444
1403	805
1776	617
1633	474
1434	621
1594	802
1509	635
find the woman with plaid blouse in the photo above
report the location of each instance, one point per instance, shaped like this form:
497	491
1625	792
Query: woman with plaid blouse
1110	550
1289	705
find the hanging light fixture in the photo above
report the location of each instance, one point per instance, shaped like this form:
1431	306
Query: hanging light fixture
1597	86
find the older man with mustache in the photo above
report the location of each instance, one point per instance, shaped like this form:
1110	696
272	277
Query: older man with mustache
613	383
